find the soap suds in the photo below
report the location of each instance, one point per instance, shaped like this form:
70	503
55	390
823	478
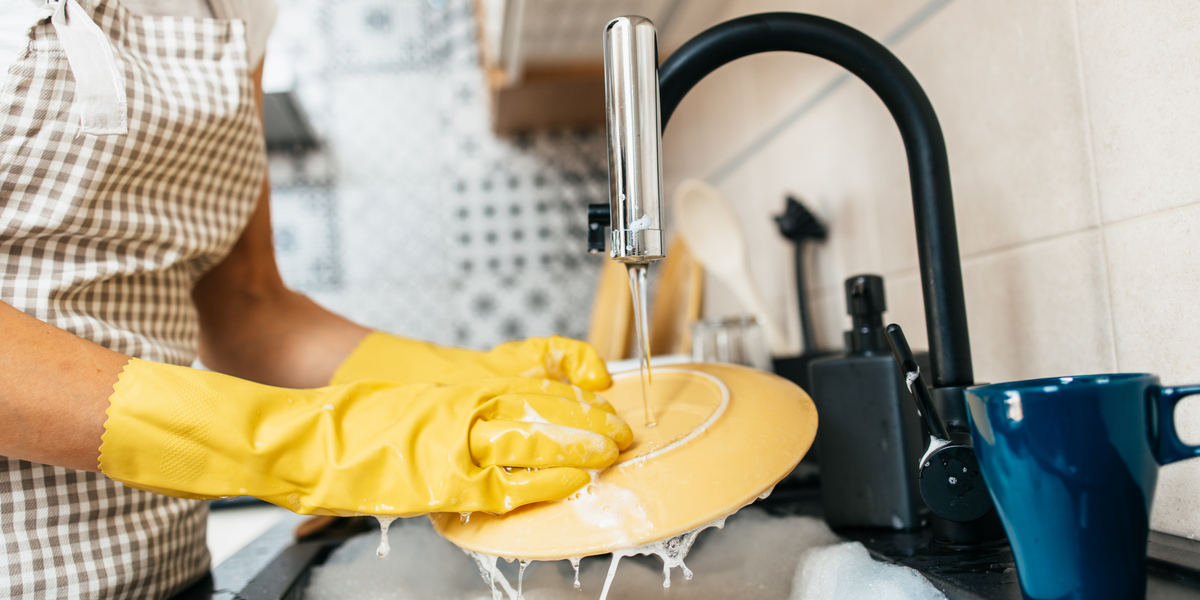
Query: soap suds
754	553
935	444
612	508
847	572
911	377
566	437
532	416
671	552
384	547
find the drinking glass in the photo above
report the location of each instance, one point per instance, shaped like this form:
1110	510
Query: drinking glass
738	340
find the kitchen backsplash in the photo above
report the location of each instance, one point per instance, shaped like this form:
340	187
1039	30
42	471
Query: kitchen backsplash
1073	130
413	217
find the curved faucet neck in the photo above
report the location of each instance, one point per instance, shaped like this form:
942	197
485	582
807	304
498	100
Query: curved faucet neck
928	166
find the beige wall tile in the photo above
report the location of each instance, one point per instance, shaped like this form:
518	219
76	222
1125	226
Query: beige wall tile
906	307
708	124
1155	269
829	161
829	319
1040	310
1140	69
1155	274
819	176
689	19
1004	80
1177	500
785	80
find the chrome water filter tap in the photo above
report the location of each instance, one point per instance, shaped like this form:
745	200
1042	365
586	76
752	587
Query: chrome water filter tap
634	141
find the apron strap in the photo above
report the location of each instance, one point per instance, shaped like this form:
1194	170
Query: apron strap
99	85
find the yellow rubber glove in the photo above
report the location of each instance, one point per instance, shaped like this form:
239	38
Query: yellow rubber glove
383	356
370	447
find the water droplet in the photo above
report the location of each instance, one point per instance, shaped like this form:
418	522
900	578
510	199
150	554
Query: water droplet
384	547
953	480
521	579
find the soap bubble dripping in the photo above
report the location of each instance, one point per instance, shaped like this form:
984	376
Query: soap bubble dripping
521	578
384	547
487	570
671	551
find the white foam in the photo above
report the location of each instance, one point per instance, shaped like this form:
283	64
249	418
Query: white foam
384	547
755	556
491	575
847	572
935	444
612	508
592	442
532	416
671	552
911	377
575	565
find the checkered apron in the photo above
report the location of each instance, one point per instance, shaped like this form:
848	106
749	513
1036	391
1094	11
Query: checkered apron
104	236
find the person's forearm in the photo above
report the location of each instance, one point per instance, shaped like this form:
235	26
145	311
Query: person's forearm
281	339
252	326
54	389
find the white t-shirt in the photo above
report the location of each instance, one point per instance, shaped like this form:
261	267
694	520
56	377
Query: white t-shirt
259	16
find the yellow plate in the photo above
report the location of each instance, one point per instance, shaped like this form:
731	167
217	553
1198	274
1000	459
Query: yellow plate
725	435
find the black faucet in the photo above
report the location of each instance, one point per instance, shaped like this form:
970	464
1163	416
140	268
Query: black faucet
928	167
634	149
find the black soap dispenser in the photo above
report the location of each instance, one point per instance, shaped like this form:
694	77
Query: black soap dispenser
870	437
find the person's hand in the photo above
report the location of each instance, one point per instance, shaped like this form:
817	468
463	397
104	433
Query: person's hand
370	447
383	356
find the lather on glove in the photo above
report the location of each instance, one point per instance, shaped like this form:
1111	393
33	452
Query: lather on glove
370	447
384	356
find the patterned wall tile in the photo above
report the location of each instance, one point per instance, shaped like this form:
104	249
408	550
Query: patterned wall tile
413	217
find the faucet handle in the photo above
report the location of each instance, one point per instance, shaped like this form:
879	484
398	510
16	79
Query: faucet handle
599	217
951	481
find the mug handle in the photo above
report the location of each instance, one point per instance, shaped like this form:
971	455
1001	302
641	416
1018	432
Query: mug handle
1168	448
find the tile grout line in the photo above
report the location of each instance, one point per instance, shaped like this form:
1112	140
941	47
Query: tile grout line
722	172
1158	214
1089	142
992	252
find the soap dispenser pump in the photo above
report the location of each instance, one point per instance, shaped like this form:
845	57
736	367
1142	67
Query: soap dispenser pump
870	439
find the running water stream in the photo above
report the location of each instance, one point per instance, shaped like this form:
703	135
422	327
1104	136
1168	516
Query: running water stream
641	319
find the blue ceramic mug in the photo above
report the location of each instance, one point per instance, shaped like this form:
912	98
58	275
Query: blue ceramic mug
1071	464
